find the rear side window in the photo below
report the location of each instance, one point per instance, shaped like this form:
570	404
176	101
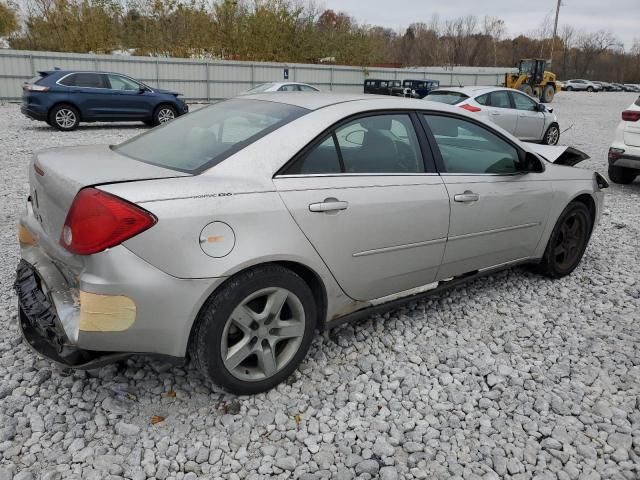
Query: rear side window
450	98
307	88
483	99
288	88
204	138
86	80
500	99
466	147
373	144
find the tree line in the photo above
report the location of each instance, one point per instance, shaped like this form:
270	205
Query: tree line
291	31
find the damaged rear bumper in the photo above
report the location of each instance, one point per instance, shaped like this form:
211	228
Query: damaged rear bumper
41	327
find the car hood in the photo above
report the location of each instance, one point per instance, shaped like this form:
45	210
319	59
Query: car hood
559	155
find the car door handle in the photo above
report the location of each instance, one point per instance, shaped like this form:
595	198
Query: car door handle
466	197
329	205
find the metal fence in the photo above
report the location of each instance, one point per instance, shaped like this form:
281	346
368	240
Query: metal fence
206	80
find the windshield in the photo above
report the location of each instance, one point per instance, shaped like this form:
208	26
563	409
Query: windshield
450	98
261	88
204	138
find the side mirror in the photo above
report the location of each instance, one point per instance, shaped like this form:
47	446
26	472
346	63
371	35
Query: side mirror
541	107
532	163
142	89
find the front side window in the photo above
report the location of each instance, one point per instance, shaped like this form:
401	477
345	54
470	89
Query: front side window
202	139
468	148
118	82
523	102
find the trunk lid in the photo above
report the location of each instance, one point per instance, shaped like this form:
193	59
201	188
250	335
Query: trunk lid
631	132
57	174
559	155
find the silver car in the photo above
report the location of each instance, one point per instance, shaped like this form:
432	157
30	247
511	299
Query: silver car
581	85
518	113
281	87
232	234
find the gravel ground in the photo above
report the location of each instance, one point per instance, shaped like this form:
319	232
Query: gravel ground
512	376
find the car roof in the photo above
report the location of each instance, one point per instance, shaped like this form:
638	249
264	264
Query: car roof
317	100
65	72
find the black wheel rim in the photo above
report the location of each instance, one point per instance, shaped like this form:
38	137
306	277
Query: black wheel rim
570	240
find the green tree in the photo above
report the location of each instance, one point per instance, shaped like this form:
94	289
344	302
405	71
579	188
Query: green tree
8	19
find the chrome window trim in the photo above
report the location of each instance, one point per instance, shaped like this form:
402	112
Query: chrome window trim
101	88
309	175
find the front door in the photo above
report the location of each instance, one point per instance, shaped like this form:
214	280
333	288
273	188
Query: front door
370	205
498	212
530	121
500	110
128	101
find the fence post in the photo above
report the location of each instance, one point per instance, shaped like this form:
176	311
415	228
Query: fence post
32	65
157	73
451	79
95	64
253	80
206	66
331	79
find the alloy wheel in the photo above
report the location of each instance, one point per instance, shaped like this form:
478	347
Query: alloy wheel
262	334
65	118
570	240
553	136
166	115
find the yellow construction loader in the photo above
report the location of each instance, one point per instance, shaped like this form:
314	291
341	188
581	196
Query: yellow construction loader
533	79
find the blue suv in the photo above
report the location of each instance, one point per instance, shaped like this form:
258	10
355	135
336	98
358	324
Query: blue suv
64	98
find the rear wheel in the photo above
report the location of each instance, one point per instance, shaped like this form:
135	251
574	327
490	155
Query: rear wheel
552	135
164	114
622	175
64	118
569	89
567	243
254	332
548	92
589	89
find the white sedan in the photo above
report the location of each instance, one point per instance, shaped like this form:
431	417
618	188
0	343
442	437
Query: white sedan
519	114
281	87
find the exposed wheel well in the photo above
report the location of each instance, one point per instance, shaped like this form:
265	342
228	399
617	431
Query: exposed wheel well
588	201
70	104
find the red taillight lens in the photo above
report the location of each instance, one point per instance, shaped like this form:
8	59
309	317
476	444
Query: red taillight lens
98	220
470	108
631	115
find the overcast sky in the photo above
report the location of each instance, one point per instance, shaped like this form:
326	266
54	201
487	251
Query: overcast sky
622	17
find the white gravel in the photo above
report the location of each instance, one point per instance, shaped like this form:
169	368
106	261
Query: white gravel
512	376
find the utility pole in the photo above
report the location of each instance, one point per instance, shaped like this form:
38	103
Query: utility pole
555	31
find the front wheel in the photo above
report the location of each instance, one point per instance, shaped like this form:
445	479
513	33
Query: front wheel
164	114
552	135
254	332
589	89
567	243
622	175
569	89
64	118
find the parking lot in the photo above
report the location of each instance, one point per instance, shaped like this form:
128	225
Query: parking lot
512	375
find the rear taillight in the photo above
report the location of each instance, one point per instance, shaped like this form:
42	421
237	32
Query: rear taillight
98	220
470	108
615	153
631	115
31	87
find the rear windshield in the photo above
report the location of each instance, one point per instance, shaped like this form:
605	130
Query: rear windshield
204	138
443	96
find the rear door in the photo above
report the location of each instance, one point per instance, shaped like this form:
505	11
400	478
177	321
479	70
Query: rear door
367	197
89	91
498	212
500	110
530	123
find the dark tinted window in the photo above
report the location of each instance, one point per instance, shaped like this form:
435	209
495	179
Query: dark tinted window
483	99
638	101
307	88
206	137
88	80
323	158
380	144
500	99
289	88
466	147
443	96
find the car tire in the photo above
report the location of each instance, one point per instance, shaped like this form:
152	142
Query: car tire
164	113
526	89
64	118
548	92
622	175
589	89
569	89
149	123
567	243
552	135
237	317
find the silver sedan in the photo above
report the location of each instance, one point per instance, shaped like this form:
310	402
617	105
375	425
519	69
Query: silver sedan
229	236
519	114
